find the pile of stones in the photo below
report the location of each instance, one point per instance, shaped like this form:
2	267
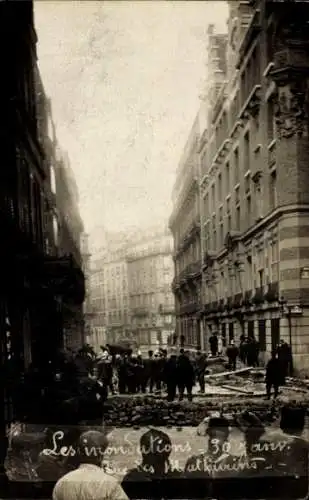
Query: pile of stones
146	410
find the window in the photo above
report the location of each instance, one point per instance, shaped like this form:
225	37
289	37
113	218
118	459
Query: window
261	278
221	234
206	205
249	273
213	198
219	188
214	232
238	218
56	229
229	222
270	120
274	261
262	335
227	178
246	152
273	190
249	210
236	165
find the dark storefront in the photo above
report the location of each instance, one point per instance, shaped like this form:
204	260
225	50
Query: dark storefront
251	329
231	332
275	332
262	335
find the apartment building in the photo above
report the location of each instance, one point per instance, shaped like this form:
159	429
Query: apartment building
254	184
150	273
185	226
109	300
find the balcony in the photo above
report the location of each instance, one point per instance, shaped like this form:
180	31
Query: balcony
272	293
193	270
62	277
209	259
247	299
213	307
290	60
221	305
175	284
189	308
165	309
140	311
237	300
272	152
258	297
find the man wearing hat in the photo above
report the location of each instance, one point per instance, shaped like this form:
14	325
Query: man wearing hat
89	480
170	375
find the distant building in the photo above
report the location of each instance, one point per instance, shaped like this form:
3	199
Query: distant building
150	273
109	300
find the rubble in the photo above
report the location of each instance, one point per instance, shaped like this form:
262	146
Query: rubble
146	410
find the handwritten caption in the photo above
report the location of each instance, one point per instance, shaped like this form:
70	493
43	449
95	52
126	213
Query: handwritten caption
112	455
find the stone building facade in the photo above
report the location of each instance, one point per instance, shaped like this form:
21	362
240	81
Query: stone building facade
109	297
150	273
252	173
255	179
185	227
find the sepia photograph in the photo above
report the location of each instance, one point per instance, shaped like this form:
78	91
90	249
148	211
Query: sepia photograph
154	301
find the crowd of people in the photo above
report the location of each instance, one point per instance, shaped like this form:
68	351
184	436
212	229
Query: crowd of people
69	384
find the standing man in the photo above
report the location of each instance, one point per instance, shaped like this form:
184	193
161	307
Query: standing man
185	375
157	372
105	370
200	367
213	342
243	349
273	375
232	354
149	371
170	375
285	358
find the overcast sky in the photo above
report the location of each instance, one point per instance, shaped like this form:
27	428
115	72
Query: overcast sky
124	79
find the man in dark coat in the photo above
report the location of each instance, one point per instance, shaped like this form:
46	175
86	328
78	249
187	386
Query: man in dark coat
252	352
213	343
232	354
170	375
200	367
285	358
149	371
243	349
185	375
157	372
273	375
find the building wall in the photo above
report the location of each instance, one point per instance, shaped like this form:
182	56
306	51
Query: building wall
185	226
254	183
109	298
150	273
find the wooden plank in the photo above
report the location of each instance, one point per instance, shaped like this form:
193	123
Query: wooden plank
224	374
